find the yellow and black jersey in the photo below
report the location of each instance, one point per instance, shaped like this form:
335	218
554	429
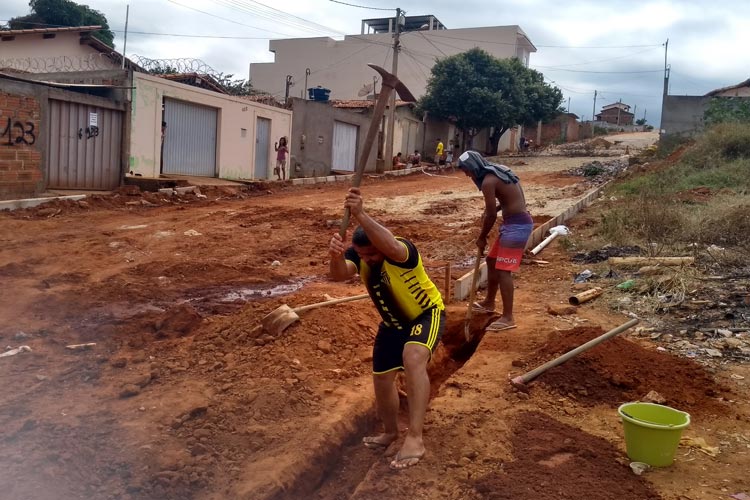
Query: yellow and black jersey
401	291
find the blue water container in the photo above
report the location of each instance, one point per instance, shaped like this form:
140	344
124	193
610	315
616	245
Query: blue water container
318	93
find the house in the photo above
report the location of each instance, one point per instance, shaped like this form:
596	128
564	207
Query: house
682	115
563	128
328	136
341	65
616	113
71	118
742	89
47	50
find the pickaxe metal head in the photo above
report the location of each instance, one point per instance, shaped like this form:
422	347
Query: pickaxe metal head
392	81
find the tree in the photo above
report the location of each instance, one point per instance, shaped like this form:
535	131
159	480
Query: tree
478	91
46	13
640	121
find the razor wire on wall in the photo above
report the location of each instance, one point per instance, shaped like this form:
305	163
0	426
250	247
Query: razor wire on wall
58	64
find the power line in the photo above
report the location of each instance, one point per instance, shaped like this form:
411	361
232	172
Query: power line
548	46
276	15
228	20
552	68
430	42
604	60
360	6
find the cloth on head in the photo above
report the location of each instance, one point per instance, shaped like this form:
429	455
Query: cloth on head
475	163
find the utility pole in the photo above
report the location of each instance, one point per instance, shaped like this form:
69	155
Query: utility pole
619	108
125	43
593	114
288	84
568	104
392	101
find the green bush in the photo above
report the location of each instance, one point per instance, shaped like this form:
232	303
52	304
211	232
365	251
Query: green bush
726	141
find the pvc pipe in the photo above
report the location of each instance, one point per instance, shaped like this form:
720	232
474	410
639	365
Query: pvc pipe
554	233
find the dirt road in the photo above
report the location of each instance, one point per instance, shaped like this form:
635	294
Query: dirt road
178	400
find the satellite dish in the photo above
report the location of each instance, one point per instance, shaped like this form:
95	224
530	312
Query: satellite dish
365	90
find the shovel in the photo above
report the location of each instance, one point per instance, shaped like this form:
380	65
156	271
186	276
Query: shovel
472	295
283	316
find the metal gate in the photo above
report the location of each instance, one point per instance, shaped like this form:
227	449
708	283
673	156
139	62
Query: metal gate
262	147
190	140
344	146
83	146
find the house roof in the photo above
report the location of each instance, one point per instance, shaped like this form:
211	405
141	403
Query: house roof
620	105
746	83
86	38
362	104
268	99
41	31
411	23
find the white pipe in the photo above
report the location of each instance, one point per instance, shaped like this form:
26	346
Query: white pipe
554	233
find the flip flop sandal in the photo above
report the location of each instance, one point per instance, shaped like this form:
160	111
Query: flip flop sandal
477	307
499	326
375	445
406	460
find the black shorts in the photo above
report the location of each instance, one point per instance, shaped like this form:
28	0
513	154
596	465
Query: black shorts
426	330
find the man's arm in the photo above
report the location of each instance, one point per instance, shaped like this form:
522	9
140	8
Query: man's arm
339	267
379	236
490	208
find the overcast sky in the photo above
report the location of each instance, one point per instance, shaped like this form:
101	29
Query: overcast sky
615	47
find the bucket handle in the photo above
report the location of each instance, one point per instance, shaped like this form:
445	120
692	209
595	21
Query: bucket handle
646	421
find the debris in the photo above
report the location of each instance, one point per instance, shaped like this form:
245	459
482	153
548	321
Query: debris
13	352
192	232
275	263
560	309
700	444
639	468
740	496
553	233
737	376
714	353
324	346
626	285
130	390
654	397
582	297
649	261
583	276
605	253
80	347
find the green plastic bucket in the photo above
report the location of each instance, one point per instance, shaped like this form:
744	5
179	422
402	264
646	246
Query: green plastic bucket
652	432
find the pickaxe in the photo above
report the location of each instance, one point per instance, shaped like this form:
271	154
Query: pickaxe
390	82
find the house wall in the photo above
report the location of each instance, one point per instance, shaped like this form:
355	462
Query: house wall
21	168
23	146
341	66
683	115
35	54
611	116
235	149
312	137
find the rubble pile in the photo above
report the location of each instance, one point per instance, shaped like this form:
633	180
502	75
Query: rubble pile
598	172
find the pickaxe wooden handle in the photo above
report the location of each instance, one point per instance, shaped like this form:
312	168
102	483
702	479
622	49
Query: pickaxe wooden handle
390	82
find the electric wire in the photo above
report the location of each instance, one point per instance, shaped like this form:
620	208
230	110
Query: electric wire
360	6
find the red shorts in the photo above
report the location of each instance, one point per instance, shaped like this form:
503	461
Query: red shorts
511	242
507	259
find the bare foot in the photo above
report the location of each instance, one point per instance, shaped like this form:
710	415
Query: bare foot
410	454
380	441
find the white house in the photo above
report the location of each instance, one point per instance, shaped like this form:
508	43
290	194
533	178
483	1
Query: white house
341	65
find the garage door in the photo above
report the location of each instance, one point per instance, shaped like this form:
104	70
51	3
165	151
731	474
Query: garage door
190	140
344	146
84	146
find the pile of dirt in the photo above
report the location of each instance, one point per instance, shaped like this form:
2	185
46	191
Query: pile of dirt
556	461
597	172
619	370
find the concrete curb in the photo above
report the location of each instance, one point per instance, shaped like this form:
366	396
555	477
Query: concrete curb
33	202
298	181
462	286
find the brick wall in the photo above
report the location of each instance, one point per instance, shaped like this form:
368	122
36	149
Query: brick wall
21	169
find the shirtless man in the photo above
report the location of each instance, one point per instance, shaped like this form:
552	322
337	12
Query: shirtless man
502	190
413	320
